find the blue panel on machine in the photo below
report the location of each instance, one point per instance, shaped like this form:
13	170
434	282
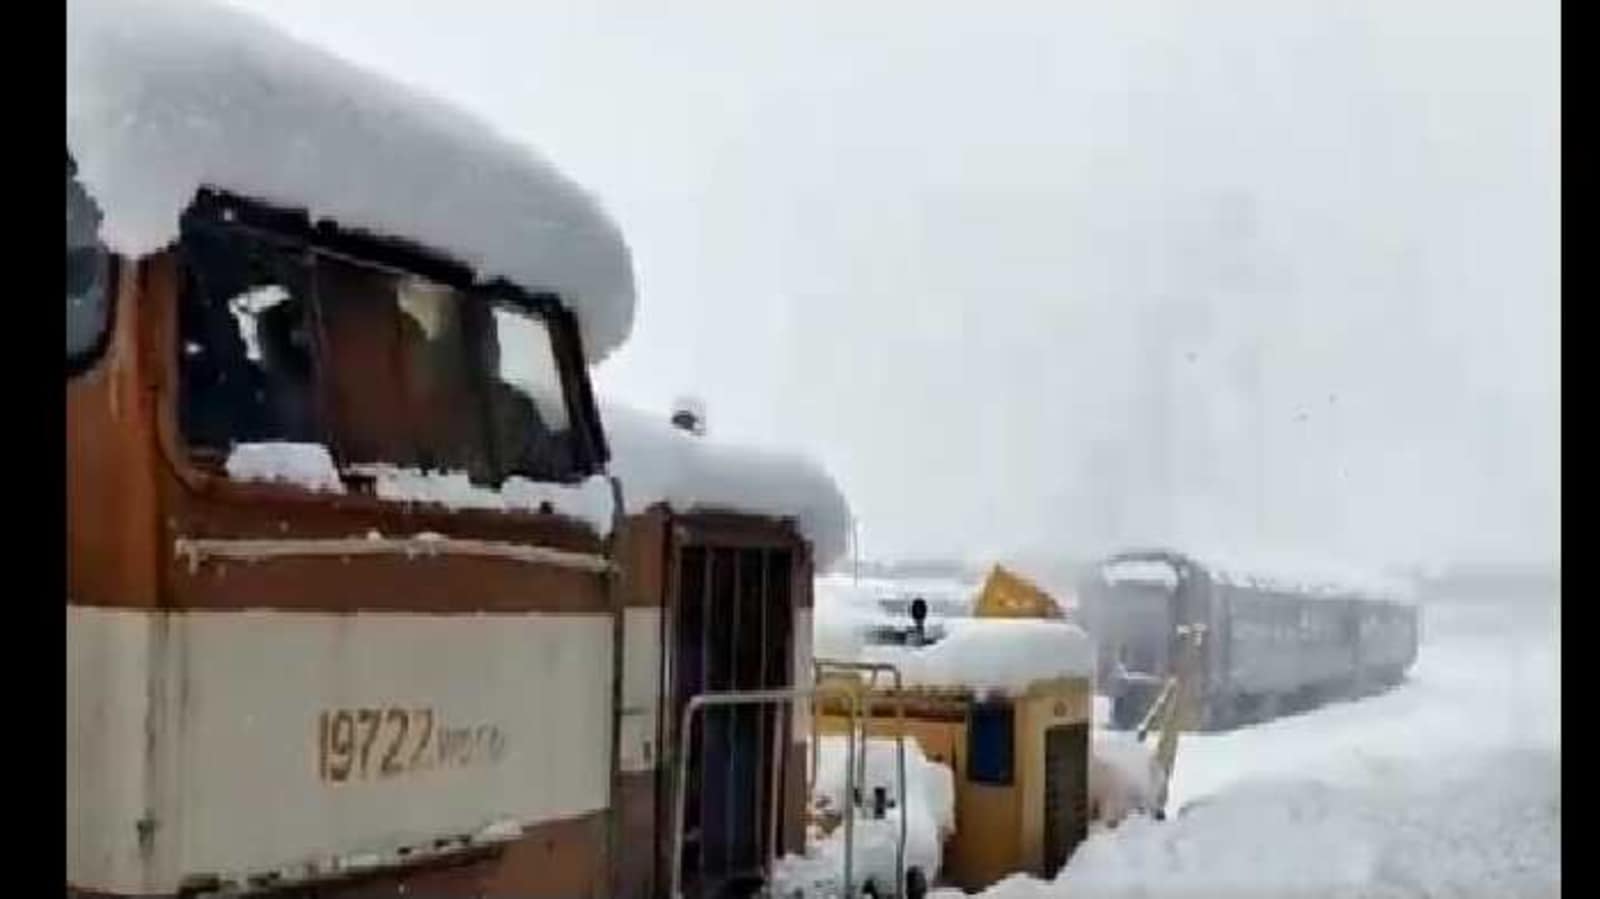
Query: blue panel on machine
989	743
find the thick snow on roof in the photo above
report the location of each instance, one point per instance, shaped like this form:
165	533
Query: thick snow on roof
1287	571
167	96
1002	654
1313	576
845	613
659	463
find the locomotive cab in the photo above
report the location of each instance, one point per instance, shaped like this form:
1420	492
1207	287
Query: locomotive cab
359	599
340	600
267	568
1136	604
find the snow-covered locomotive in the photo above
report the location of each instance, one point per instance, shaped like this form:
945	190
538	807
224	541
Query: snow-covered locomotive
1271	642
366	595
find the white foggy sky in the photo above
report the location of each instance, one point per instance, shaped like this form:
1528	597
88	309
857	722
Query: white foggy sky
1044	277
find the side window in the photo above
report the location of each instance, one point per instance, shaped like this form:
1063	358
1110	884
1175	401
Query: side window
423	375
284	338
377	357
532	431
442	385
990	748
245	341
88	277
527	361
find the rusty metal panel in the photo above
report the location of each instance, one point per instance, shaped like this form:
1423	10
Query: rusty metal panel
111	500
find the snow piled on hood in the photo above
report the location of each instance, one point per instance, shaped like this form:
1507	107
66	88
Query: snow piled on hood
661	464
993	654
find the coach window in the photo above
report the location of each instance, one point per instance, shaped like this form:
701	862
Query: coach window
990	748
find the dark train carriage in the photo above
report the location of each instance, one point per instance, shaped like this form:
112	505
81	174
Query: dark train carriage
1270	644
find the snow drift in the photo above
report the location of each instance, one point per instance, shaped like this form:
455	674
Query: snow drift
1485	826
1124	778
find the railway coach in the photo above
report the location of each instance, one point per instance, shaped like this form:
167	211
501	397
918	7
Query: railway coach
1270	642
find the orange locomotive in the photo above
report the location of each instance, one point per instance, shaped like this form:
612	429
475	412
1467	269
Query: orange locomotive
357	602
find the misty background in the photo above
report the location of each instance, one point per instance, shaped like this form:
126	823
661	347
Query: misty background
1037	279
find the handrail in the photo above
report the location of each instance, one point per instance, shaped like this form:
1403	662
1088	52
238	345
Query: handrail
1172	706
194	550
899	738
1157	708
753	697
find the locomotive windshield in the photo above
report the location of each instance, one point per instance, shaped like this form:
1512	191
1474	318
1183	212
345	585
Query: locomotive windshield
284	338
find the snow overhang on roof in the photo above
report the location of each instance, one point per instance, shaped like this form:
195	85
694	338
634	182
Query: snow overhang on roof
167	96
994	654
661	464
1288	573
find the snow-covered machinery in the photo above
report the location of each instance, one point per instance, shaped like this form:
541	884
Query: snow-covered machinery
1003	700
1021	763
1277	638
365	593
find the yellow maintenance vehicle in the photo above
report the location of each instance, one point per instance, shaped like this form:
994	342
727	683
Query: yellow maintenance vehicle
1020	747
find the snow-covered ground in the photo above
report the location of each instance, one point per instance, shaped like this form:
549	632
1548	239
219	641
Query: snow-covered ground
1486	679
1448	785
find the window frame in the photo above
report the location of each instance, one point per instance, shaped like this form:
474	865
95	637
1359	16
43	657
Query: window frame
590	451
1005	711
90	356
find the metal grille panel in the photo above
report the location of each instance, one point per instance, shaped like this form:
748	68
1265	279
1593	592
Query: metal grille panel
1066	793
734	618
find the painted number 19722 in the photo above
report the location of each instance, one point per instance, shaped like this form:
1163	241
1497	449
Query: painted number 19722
382	742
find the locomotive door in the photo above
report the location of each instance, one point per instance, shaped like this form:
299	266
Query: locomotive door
732	621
